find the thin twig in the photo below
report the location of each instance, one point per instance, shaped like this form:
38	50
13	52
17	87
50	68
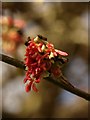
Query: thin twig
69	87
12	61
61	81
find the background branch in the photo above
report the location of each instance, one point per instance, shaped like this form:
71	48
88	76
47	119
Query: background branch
61	81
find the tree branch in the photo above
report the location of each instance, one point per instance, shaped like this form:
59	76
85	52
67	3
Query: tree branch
70	88
61	81
12	61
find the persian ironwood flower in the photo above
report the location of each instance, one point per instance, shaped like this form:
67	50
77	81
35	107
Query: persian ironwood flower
41	61
12	34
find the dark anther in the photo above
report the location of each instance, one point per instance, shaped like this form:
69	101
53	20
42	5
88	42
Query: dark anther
28	39
20	32
43	38
62	60
42	53
27	42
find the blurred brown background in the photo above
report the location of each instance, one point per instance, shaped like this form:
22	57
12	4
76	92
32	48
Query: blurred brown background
66	26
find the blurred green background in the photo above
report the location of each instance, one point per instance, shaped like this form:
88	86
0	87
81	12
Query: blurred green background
65	25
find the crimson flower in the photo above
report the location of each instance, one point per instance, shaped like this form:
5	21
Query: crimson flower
41	61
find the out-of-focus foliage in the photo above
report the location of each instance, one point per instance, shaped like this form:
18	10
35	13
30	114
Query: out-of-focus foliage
12	33
66	26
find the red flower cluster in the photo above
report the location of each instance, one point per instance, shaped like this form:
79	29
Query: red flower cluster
40	56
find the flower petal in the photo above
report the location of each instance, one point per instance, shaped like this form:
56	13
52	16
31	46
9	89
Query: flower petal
61	52
28	86
34	87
